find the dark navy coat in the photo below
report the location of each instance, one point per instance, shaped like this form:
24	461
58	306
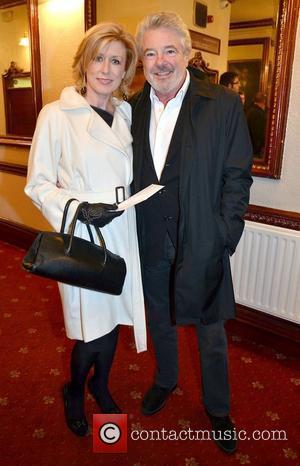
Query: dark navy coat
215	178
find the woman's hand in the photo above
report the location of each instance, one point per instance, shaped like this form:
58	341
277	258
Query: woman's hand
98	214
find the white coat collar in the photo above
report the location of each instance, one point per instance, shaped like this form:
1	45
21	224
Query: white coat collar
118	135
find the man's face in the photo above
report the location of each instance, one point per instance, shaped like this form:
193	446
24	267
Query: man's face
235	85
164	61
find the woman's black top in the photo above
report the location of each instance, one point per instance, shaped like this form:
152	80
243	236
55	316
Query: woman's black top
107	117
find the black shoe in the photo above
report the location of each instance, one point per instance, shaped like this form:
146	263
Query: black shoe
105	402
79	426
223	433
155	399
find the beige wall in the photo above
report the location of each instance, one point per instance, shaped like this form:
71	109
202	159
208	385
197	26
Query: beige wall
16	206
61	29
13	154
240	52
59	40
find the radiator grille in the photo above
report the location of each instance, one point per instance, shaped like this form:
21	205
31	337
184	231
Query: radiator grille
266	270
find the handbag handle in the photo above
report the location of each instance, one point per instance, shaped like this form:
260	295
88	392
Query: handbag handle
64	217
72	231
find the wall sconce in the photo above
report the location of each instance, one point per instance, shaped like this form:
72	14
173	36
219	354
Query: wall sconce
67	6
24	41
225	3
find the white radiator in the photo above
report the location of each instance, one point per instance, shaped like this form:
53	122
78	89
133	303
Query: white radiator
266	270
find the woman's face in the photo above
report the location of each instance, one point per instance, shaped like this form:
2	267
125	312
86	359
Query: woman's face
105	73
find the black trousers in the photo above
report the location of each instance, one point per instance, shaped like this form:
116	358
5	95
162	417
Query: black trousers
212	339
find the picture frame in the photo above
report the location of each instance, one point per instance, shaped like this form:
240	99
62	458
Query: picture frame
249	71
197	61
205	43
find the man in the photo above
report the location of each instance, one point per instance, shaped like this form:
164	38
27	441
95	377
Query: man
191	137
257	122
231	80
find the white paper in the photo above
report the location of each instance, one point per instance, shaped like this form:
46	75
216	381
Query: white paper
140	196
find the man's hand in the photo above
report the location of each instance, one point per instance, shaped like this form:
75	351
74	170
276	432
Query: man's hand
98	214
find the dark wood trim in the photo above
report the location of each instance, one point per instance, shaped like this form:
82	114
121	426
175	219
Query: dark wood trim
281	327
276	217
13	168
250	41
17	234
33	18
11	3
15	141
252	24
89	14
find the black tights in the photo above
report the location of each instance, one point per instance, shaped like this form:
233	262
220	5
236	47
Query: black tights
100	353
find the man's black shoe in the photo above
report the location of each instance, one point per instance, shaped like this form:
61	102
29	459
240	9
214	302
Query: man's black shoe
155	399
223	433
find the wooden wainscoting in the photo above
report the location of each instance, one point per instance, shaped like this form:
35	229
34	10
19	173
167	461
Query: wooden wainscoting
276	217
281	327
17	234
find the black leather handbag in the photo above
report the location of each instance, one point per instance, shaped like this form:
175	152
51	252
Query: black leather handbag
68	259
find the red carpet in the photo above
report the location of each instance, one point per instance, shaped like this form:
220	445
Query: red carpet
264	371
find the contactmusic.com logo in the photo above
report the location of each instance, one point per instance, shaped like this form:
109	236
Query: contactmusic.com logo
109	433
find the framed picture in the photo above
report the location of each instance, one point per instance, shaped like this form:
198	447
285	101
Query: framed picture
253	73
249	72
204	42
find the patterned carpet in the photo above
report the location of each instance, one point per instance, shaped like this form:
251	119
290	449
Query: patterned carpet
264	372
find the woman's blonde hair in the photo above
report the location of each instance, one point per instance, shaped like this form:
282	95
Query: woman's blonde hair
95	38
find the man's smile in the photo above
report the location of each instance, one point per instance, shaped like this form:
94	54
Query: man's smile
163	74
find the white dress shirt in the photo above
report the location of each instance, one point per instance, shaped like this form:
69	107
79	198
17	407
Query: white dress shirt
162	123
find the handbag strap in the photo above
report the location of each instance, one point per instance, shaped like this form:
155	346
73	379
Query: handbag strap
65	213
64	218
76	215
72	231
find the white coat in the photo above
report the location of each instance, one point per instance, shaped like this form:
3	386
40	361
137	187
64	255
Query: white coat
75	154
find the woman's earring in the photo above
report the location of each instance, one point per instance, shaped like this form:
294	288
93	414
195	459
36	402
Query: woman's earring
83	87
123	89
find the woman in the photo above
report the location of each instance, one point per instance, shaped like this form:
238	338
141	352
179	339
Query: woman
82	149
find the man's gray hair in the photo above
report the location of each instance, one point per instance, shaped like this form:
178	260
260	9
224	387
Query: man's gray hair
168	20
